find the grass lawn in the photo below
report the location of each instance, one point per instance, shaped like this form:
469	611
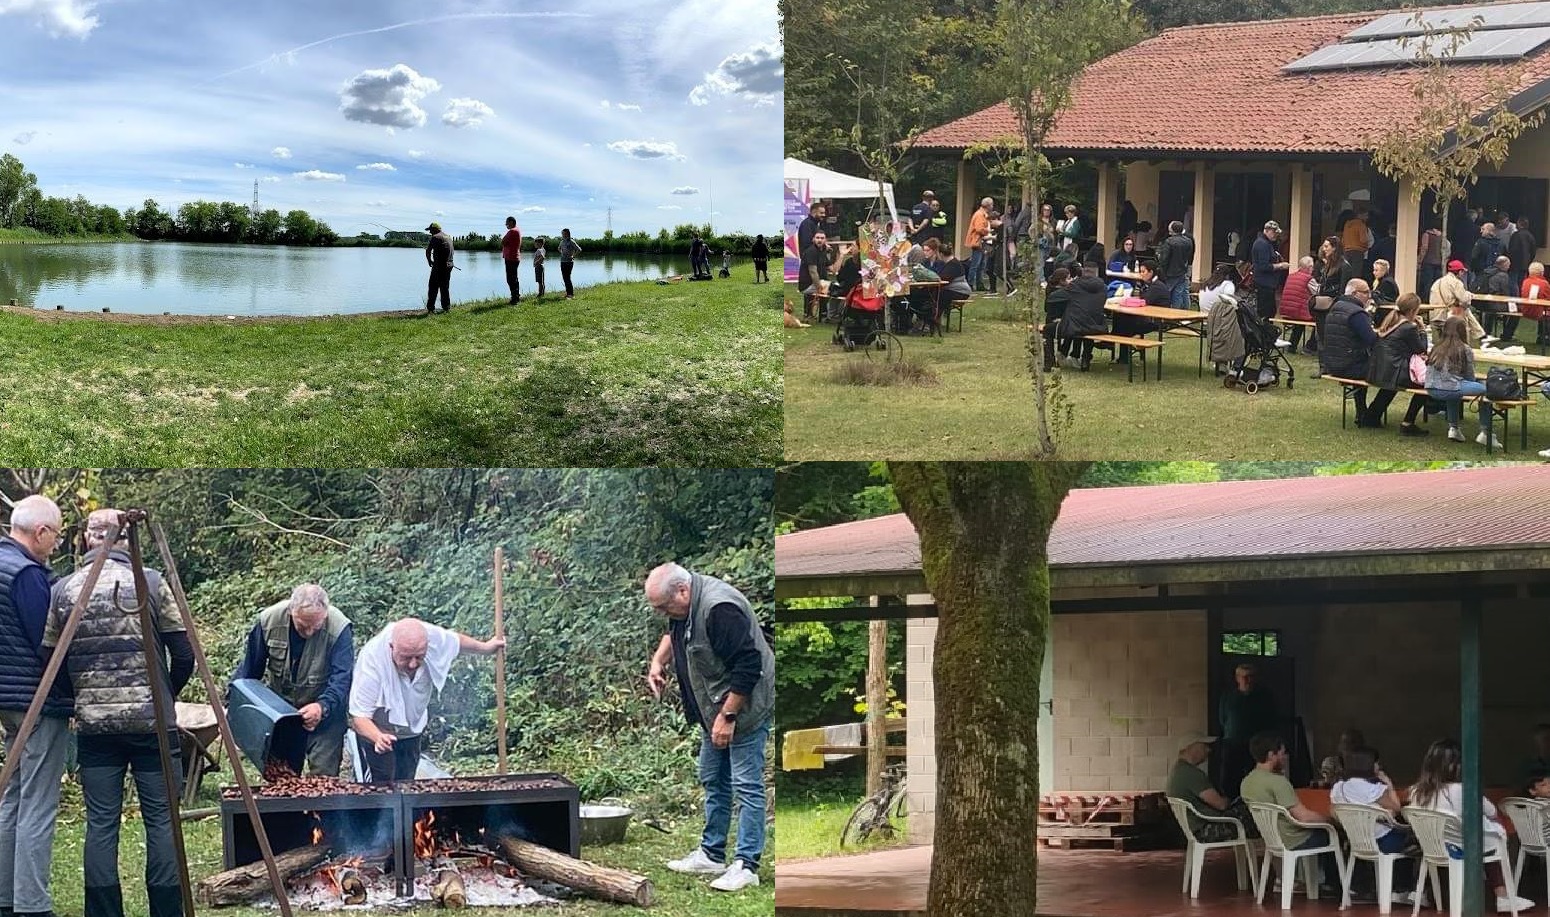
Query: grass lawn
982	408
625	374
808	825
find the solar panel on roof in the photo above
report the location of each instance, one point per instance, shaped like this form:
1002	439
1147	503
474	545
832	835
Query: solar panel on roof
1505	44
1500	16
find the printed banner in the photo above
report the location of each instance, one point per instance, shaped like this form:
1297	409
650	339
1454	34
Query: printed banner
796	212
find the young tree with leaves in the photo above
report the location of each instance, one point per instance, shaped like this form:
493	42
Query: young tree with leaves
984	530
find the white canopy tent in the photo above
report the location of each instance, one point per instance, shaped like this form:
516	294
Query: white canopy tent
823	182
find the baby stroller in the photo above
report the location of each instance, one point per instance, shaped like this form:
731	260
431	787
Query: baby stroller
864	326
1249	345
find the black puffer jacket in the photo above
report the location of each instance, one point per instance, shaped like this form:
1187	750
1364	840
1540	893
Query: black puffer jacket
1389	366
1084	308
1346	341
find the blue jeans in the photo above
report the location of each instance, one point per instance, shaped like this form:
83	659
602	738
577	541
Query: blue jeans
1430	274
976	264
737	770
1178	295
1454	402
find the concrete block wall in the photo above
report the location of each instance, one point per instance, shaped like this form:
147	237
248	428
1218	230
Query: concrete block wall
920	718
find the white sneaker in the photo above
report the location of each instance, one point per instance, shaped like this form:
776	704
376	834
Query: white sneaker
697	864
1544	453
1404	898
1283	343
1503	905
1495	443
1455	435
740	877
1487	339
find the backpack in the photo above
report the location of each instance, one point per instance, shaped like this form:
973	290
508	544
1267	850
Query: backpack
1501	384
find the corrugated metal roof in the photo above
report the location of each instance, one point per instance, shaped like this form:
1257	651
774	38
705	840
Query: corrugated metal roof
1412	512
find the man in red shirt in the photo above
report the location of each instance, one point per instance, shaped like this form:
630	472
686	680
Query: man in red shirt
511	254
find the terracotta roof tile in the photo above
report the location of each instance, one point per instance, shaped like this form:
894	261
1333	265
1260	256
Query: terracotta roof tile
1429	511
1219	88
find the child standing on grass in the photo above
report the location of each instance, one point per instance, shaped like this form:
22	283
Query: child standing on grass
538	263
568	250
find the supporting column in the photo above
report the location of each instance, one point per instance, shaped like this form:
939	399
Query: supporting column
1141	186
964	206
1300	228
1205	207
1280	208
1469	720
1108	204
1407	235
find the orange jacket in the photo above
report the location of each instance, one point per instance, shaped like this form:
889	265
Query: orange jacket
979	225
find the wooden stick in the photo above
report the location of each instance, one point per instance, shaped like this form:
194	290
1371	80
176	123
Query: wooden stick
13	751
594	881
150	643
212	691
243	884
500	664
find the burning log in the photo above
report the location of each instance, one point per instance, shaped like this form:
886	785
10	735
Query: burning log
592	880
243	884
447	890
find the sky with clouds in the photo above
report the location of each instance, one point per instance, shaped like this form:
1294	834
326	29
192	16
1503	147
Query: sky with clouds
387	113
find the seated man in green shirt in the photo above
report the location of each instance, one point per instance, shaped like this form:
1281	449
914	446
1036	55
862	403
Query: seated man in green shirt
1267	783
1188	782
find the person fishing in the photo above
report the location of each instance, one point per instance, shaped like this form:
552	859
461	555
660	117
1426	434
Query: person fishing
438	254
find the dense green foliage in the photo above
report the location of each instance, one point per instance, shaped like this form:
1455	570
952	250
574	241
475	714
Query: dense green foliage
394	543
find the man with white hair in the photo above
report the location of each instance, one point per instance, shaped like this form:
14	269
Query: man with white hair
115	716
30	806
396	675
726	680
302	647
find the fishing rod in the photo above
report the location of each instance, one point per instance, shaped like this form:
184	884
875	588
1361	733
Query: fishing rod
405	231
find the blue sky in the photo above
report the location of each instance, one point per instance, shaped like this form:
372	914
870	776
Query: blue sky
396	113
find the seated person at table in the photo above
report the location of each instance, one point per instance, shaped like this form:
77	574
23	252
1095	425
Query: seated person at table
816	268
1450	378
954	274
1220	284
1346	340
1537	289
1399	339
1497	281
1267	783
1449	288
1299	289
1084	315
1332	768
1539	789
1056	298
1385	292
1540	761
1441	789
1474	335
1123	261
1188	782
1365	784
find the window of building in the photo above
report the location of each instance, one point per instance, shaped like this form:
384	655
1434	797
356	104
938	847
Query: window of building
1251	642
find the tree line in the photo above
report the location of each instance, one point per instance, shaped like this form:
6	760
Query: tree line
675	241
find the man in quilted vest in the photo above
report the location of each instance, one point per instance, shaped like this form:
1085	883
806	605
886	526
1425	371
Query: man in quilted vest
115	717
30	806
726	679
302	648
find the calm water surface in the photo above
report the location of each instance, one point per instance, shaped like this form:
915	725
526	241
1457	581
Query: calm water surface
187	279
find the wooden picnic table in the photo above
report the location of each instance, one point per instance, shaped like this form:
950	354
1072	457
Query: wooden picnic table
1517	307
1534	368
1317	799
1166	318
1124	275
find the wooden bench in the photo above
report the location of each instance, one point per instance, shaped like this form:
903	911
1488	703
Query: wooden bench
1498	409
1141	345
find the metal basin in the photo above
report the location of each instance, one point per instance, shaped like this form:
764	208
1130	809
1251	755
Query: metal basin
604	823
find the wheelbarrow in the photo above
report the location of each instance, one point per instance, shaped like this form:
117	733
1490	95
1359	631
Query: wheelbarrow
197	734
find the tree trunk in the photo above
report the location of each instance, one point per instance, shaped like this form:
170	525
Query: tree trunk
876	704
243	884
984	528
591	880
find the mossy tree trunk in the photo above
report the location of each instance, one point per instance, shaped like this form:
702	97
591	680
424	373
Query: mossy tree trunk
984	528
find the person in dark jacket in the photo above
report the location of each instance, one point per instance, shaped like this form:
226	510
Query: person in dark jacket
761	259
1056	298
1175	256
1497	281
1084	315
1243	712
811	226
438	255
1522	248
303	648
1399	338
115	717
726	682
30	807
1483	254
1347	338
1270	270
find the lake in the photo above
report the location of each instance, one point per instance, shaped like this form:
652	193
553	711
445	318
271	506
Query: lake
187	279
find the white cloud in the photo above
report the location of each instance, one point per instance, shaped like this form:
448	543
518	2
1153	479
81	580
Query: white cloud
668	207
441	213
387	97
646	149
622	106
243	165
416	154
376	203
759	73
67	18
281	152
466	113
318	175
24	138
270	179
376	167
686	189
587	145
532	210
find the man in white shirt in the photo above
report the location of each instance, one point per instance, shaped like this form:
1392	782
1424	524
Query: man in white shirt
396	674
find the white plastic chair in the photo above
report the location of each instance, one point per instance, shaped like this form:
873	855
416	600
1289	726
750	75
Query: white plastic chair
1434	831
1528	820
1267	816
1360	823
1195	851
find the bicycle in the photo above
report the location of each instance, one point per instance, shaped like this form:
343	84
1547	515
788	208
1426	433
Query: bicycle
877	813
